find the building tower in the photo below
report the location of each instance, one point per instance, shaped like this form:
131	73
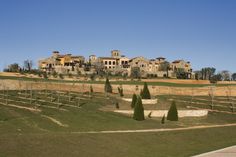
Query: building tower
115	54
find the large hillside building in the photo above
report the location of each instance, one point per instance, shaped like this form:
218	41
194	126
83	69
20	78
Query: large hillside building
61	63
115	64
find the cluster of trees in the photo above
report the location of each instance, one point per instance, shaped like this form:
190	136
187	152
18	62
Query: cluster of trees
138	108
15	67
209	73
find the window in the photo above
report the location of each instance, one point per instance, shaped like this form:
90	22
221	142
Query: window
109	67
114	63
126	62
105	62
109	62
122	62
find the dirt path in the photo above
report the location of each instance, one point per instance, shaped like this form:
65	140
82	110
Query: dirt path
22	107
155	130
55	121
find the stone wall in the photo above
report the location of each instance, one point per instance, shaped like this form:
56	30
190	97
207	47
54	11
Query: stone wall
128	89
160	113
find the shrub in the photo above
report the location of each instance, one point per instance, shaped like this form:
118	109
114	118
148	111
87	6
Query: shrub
145	92
117	105
45	75
163	119
172	113
70	75
141	93
138	110
134	99
108	87
120	90
61	76
91	89
150	115
54	74
92	77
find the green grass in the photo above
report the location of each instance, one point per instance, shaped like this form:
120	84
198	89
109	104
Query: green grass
177	144
26	133
220	103
114	82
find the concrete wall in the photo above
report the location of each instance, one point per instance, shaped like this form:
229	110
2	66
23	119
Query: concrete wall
160	113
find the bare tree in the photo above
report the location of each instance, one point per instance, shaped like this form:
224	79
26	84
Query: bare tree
28	64
226	76
229	97
211	94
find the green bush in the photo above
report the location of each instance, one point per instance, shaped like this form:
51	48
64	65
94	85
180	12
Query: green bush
134	99
108	87
163	119
91	89
45	76
54	74
150	115
172	113
145	94
139	110
61	76
120	90
117	105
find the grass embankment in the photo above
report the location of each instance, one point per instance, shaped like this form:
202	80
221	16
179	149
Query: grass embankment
26	133
114	82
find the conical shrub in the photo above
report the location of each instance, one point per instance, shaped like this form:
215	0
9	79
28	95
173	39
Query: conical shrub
134	99
108	87
138	110
163	119
172	113
145	93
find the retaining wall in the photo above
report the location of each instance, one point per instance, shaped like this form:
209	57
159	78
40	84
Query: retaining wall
128	89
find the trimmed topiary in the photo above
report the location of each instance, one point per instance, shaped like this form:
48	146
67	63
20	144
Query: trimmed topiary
141	93
117	105
120	90
172	113
108	87
139	110
134	99
91	89
163	119
145	93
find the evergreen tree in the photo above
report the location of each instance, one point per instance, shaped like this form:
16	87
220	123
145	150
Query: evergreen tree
145	93
108	87
91	89
163	119
117	105
138	110
120	90
141	93
172	113
134	99
150	115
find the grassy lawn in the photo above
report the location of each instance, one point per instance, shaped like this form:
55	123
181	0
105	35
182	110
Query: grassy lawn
114	82
221	103
179	143
27	133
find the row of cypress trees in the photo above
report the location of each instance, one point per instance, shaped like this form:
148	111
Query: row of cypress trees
138	108
137	104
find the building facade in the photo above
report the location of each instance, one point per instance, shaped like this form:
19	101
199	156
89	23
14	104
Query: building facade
115	64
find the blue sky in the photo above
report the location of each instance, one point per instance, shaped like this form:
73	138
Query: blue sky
200	31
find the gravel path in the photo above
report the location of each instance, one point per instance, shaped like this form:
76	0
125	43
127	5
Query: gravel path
155	130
